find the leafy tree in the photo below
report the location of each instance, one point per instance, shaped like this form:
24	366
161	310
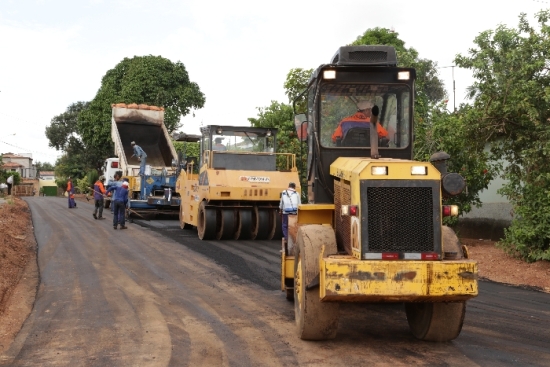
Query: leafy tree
436	129
451	132
187	149
296	82
281	116
63	127
43	166
63	134
4	175
69	165
511	96
151	80
82	185
429	88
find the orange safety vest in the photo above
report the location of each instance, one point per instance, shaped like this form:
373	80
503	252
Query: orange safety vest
359	118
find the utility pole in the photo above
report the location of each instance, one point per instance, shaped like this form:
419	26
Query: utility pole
454	86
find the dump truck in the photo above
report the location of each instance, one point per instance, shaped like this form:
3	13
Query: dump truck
372	230
232	190
144	125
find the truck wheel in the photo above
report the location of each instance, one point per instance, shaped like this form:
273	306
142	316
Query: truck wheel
243	227
316	320
452	250
273	215
226	225
278	233
260	224
436	322
206	226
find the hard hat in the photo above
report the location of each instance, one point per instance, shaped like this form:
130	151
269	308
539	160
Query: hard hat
101	178
125	184
133	143
363	105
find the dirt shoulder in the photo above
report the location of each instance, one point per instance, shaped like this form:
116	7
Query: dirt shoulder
19	274
18	268
494	264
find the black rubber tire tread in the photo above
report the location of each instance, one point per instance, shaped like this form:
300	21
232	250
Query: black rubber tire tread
226	226
206	226
273	214
278	226
437	321
316	320
260	224
243	229
237	231
451	243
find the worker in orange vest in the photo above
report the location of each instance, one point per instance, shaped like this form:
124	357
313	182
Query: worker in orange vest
99	193
70	192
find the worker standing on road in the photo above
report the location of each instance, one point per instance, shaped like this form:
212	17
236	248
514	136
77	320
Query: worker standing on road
9	181
142	157
288	206
70	193
99	192
121	194
116	183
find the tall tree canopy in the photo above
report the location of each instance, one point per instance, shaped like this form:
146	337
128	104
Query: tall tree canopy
43	166
511	99
429	88
281	116
437	129
151	80
63	134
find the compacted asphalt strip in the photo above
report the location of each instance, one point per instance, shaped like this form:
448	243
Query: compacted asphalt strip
155	295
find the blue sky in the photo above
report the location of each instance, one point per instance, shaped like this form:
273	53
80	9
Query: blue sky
54	53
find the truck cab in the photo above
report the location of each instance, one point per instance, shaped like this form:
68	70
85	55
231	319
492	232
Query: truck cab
110	167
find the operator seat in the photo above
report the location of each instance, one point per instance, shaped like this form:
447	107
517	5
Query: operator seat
360	137
356	137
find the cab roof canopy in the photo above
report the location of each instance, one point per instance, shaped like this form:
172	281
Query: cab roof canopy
365	55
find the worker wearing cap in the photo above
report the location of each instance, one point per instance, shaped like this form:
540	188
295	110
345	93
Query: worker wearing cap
9	182
141	156
218	145
99	193
117	182
360	119
288	206
119	203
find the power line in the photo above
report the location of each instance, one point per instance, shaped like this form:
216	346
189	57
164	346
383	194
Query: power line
29	150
